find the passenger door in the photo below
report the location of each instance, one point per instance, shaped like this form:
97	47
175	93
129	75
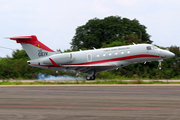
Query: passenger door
89	57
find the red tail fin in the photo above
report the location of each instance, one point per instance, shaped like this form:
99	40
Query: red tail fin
31	40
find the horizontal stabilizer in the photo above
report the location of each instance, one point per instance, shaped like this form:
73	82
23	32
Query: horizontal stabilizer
21	37
32	40
25	39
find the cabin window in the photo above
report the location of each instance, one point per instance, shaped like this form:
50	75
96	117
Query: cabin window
110	54
97	55
104	54
122	52
116	53
128	52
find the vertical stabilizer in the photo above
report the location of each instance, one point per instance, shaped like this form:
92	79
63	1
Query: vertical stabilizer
34	48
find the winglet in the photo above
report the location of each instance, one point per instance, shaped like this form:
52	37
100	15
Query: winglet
55	64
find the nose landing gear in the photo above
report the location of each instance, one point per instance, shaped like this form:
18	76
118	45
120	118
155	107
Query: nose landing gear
160	64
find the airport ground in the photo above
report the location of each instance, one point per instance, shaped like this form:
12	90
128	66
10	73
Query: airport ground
71	81
90	102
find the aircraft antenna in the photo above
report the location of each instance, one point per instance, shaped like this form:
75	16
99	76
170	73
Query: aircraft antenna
7	48
134	43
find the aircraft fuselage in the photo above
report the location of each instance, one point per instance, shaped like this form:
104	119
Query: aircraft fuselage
102	59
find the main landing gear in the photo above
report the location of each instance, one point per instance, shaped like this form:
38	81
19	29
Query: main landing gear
91	75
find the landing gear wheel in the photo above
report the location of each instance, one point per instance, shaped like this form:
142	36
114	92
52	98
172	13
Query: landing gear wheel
88	78
160	67
93	77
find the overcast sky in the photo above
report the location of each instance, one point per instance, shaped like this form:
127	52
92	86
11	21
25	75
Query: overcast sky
54	21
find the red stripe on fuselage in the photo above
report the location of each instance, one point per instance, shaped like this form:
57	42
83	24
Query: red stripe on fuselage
117	59
108	60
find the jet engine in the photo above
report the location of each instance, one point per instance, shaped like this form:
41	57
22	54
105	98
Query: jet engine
58	59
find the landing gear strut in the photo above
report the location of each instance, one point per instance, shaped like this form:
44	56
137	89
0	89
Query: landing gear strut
160	64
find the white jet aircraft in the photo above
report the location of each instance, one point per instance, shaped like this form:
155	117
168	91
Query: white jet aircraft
89	61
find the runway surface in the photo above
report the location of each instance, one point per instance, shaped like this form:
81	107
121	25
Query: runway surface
90	103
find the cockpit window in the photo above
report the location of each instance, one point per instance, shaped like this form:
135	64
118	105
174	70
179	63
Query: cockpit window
150	47
155	47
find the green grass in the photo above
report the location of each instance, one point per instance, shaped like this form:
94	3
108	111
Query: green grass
7	82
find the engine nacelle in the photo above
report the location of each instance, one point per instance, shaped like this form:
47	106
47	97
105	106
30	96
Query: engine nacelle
58	59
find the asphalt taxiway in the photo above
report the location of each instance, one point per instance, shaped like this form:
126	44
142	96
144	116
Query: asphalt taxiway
91	102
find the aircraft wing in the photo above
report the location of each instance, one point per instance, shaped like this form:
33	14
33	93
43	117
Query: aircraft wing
82	65
95	65
85	68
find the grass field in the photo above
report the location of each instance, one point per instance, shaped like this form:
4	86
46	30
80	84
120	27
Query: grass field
8	82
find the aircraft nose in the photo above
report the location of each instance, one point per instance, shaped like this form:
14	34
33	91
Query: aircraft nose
170	55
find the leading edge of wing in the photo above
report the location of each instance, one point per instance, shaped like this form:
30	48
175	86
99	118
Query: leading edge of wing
94	65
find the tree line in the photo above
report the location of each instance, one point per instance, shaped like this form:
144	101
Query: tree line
16	67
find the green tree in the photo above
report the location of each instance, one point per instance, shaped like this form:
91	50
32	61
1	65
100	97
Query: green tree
128	39
97	32
18	54
16	67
